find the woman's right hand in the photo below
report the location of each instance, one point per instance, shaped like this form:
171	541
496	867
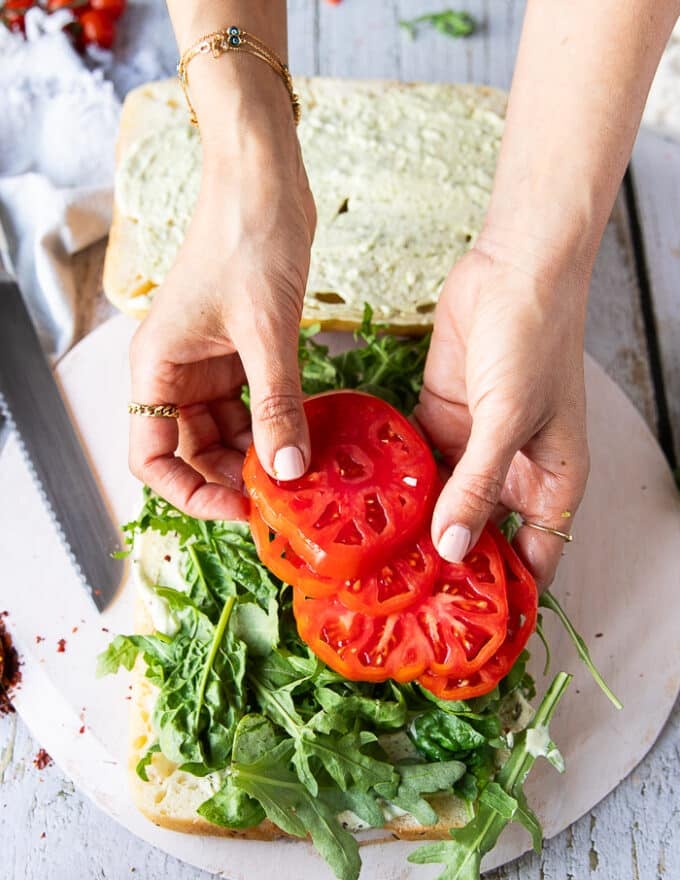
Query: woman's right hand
228	313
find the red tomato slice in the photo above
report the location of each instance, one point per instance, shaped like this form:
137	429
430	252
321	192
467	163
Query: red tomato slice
398	584
467	617
368	492
359	646
522	607
456	629
395	586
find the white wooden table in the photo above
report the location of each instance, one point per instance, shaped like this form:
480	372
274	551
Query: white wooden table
47	829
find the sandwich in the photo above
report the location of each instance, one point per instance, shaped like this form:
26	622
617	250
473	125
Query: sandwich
268	700
319	671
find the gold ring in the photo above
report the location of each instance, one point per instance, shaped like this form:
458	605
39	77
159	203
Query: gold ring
566	537
156	410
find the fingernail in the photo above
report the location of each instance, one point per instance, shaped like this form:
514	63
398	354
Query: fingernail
288	463
454	543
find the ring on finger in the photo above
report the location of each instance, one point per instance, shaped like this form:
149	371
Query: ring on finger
549	530
155	410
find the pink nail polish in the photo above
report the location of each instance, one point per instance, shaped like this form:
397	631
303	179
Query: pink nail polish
454	543
288	463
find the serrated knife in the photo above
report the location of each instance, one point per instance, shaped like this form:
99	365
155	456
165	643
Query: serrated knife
35	410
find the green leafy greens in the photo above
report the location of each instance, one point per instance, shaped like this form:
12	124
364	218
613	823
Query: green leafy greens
500	802
241	697
387	366
449	22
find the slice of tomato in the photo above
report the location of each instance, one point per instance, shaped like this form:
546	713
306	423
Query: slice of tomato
522	612
369	490
454	631
394	586
360	646
466	618
276	553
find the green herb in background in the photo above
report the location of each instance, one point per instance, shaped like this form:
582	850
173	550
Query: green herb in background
448	22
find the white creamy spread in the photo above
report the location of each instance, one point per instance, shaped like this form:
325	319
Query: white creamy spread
401	177
156	561
538	740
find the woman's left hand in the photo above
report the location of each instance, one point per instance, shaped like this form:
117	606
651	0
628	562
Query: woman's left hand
504	402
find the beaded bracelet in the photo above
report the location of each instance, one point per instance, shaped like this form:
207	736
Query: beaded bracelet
233	39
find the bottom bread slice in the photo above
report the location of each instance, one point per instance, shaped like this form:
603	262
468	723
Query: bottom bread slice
171	796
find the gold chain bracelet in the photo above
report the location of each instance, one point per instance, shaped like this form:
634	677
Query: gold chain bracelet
233	39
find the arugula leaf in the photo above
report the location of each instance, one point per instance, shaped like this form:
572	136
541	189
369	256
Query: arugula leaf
362	803
499	803
344	761
387	366
286	801
448	22
540	632
145	760
341	711
201	699
418	779
341	756
547	600
123	651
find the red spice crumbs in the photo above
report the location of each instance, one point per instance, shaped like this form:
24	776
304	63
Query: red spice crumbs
61	646
75	629
105	629
39	639
43	835
42	760
10	673
167	557
82	729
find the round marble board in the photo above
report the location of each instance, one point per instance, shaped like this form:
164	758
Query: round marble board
620	579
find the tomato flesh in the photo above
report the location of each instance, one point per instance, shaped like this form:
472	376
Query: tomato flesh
522	613
453	631
394	586
369	489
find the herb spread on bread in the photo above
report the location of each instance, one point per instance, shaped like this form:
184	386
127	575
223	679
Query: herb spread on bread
397	205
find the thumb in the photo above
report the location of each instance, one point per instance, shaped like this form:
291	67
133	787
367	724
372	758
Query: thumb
280	431
469	497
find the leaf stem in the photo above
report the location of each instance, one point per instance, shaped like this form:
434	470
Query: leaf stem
547	600
214	648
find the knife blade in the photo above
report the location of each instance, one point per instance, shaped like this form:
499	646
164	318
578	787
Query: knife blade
31	401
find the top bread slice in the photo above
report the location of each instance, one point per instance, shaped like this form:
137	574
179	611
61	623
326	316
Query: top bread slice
401	175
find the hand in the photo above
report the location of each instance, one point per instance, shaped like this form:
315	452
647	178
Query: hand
504	402
228	311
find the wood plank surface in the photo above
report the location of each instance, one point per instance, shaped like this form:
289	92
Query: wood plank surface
655	173
50	831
